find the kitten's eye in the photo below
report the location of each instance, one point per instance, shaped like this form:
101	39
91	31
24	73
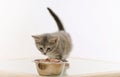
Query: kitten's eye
40	48
48	49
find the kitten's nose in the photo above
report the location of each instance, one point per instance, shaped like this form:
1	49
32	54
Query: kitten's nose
44	53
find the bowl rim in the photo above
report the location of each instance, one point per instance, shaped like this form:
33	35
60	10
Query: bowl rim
35	61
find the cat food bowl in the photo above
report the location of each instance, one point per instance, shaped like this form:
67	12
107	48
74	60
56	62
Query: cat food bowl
50	67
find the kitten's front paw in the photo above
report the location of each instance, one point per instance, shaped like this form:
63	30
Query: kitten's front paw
64	60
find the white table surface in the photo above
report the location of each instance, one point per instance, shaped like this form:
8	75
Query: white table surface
78	66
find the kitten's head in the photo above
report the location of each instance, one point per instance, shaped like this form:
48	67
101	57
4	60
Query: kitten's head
45	43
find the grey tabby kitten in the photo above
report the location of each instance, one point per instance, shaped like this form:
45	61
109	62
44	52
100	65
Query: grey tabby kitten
55	45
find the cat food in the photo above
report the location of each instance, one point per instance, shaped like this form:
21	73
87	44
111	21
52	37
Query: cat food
49	67
48	60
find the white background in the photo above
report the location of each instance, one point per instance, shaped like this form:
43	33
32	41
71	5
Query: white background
93	24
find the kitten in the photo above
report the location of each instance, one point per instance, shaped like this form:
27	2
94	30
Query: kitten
55	45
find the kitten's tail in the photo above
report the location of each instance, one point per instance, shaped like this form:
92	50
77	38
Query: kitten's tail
59	23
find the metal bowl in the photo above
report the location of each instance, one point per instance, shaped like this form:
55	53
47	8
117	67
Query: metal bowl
50	68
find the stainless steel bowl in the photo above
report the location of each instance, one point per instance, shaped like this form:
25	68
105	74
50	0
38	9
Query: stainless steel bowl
50	68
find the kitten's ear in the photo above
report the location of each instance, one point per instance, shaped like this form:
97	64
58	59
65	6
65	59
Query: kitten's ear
35	37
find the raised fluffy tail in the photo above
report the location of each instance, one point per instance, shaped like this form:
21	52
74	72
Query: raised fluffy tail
59	23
